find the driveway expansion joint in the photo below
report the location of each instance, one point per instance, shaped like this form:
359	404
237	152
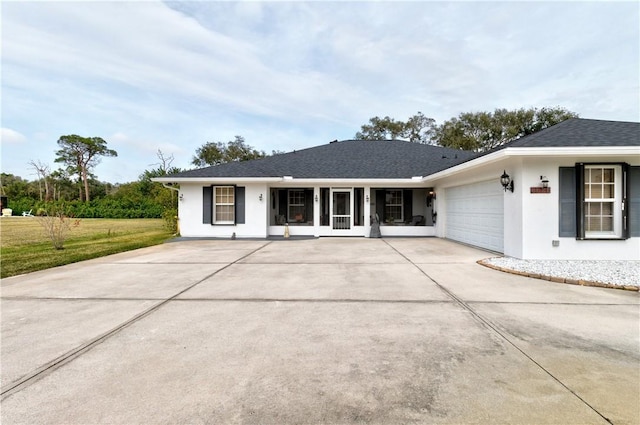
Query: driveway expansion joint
315	300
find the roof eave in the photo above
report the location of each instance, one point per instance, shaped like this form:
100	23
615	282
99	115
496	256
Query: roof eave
573	151
355	181
290	180
217	179
583	151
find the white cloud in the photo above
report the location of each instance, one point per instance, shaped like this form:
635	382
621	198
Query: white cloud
8	135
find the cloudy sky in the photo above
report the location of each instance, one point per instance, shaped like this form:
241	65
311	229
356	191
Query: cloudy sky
147	75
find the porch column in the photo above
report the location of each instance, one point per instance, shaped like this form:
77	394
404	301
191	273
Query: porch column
367	211
316	211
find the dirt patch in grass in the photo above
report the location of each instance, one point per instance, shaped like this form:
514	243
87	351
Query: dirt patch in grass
24	246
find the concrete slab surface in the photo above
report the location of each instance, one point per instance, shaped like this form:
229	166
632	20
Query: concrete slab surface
380	363
100	280
35	332
196	252
473	282
320	331
436	251
327	251
319	282
593	349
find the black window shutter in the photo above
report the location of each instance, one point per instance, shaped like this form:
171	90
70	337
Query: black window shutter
580	201
567	192
240	208
207	204
381	199
283	201
633	202
308	205
407	200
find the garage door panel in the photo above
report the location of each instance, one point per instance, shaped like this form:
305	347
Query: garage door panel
475	215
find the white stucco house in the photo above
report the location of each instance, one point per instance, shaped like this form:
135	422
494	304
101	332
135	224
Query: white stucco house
572	192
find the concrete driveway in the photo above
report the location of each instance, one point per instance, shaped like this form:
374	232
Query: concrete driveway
322	331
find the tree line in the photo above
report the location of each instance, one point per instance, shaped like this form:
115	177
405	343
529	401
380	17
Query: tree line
83	195
474	131
76	190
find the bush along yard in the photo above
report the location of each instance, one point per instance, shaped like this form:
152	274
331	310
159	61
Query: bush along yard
26	245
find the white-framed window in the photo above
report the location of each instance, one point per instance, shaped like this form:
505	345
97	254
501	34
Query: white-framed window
393	205
599	201
224	205
602	201
296	205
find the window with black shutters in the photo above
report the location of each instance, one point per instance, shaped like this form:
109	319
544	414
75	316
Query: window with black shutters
223	205
599	201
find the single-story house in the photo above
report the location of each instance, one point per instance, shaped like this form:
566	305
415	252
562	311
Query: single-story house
571	191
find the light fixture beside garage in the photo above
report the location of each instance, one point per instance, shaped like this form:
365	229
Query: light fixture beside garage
430	197
506	181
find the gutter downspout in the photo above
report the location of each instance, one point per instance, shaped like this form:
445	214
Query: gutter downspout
166	185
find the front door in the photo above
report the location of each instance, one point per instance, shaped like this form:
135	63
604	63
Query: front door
341	208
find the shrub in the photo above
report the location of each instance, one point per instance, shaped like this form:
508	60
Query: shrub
56	224
170	217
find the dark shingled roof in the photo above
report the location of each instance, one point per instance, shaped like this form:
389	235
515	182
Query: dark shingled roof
351	159
579	132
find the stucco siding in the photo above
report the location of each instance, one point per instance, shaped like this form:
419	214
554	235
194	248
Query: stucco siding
190	214
541	213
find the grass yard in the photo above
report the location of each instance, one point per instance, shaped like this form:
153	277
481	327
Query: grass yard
24	246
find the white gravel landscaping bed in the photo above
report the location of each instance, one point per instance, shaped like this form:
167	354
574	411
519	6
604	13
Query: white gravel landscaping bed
608	273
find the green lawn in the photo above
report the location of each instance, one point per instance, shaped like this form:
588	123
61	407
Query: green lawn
25	248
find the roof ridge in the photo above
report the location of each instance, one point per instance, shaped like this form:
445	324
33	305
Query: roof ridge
599	120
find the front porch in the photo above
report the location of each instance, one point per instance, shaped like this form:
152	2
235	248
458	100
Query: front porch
350	211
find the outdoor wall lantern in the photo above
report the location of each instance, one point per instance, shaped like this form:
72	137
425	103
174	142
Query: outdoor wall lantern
367	198
506	181
316	198
260	197
430	197
181	197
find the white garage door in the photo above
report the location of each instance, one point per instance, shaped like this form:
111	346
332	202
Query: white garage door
475	214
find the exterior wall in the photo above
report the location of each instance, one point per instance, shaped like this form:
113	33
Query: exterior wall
190	214
514	222
257	214
541	213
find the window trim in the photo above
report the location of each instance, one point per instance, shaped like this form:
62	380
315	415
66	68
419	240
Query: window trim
388	204
298	193
621	190
614	201
214	204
